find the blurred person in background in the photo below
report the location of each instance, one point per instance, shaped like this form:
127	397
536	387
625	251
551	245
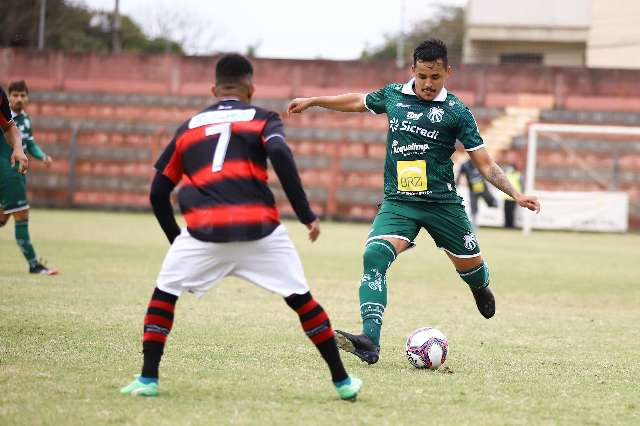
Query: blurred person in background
477	188
13	186
512	171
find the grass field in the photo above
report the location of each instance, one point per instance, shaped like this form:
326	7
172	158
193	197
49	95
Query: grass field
564	347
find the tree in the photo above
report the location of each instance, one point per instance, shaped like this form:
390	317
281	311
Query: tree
74	28
446	24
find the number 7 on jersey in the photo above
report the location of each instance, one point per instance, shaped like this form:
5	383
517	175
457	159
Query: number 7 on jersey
224	130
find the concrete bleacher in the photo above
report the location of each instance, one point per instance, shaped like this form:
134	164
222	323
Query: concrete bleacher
119	136
105	119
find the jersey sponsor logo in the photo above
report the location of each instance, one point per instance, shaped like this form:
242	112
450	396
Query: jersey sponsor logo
412	148
435	114
412	176
223	116
414	116
470	241
401	105
406	126
393	124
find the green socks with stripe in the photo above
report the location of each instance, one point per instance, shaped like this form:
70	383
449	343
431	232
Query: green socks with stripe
378	256
24	241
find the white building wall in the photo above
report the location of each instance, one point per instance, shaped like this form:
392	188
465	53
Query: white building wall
614	36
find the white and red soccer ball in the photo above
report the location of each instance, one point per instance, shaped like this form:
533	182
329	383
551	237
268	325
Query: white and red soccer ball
427	347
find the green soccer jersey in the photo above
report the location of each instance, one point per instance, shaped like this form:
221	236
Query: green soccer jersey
420	141
29	145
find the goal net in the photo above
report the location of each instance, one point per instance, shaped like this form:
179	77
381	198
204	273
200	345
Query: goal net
578	172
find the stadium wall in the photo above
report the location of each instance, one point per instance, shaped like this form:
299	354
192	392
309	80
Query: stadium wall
105	118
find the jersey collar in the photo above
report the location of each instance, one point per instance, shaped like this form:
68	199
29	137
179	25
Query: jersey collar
407	89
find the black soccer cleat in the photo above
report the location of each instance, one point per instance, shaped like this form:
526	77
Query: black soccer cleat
40	269
485	301
360	345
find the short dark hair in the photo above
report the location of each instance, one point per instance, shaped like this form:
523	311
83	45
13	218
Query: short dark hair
233	68
431	50
18	86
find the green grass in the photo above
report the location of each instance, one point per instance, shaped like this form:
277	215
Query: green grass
562	349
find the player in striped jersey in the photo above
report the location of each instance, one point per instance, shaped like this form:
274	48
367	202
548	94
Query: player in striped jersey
11	135
233	226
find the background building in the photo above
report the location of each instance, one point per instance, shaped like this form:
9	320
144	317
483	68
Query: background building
592	33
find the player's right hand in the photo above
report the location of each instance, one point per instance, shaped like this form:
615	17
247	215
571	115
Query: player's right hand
298	105
314	230
529	202
22	159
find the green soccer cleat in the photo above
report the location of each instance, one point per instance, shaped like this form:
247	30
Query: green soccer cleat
350	392
138	388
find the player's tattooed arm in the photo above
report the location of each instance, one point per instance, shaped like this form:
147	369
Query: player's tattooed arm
496	176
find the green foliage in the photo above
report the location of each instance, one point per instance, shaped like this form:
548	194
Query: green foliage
561	350
74	28
447	24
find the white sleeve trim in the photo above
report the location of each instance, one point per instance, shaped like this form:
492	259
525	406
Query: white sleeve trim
474	148
275	135
367	106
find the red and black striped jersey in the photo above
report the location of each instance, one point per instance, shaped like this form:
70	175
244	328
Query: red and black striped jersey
220	156
6	119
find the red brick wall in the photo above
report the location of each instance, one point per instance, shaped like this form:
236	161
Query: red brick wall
337	192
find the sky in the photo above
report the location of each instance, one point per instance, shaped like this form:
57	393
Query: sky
328	29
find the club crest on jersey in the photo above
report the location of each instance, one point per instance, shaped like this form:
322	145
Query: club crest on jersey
393	124
435	114
470	241
414	116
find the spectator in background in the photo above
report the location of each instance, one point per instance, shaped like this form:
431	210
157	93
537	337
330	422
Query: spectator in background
477	188
516	179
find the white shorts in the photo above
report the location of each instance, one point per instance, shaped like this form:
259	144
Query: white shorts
196	266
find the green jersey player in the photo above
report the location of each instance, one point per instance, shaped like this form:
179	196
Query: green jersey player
13	193
425	120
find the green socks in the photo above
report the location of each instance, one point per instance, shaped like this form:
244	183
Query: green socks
24	242
378	256
477	277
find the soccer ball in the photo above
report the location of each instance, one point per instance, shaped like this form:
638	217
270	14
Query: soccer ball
427	347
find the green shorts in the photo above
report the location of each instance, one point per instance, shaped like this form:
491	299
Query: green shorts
13	192
448	225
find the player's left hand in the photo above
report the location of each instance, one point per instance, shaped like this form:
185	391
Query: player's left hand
47	161
21	158
529	202
314	230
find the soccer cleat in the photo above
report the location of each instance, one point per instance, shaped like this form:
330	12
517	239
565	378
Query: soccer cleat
39	268
360	345
350	391
138	388
485	301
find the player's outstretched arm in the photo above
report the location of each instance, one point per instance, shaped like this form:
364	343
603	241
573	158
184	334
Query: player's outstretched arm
494	174
348	102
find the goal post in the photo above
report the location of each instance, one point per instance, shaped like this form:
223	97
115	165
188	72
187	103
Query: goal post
589	204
